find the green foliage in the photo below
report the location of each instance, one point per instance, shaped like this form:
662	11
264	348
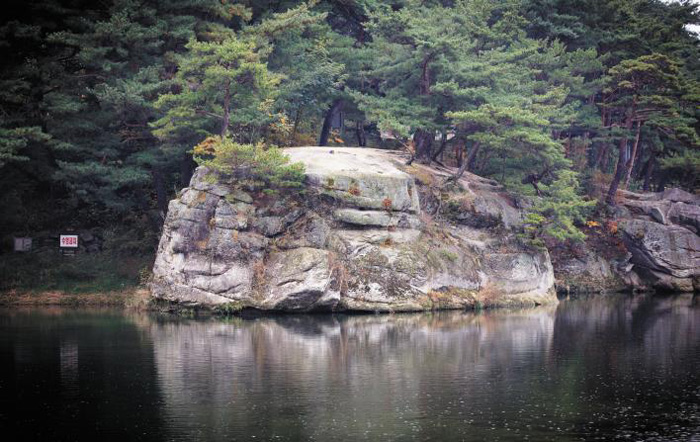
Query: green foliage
213	80
102	101
555	214
518	138
250	164
649	90
684	168
85	273
13	141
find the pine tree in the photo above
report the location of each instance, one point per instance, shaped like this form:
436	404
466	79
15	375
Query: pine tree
555	214
646	90
223	88
116	66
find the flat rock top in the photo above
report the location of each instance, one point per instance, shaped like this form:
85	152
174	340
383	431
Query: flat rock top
348	161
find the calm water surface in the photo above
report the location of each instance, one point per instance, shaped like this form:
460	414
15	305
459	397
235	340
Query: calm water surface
603	368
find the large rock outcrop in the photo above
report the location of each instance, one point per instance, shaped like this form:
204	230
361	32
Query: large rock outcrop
656	247
356	238
661	235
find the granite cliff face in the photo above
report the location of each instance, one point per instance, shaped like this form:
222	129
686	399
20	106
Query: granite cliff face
658	248
357	238
660	231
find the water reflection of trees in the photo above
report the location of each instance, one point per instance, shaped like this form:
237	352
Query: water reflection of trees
629	362
76	374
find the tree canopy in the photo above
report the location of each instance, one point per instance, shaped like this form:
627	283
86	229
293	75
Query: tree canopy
104	102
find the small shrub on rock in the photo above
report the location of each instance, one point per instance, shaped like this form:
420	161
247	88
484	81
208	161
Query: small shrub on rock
255	165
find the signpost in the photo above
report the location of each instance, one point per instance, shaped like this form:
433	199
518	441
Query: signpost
23	244
68	244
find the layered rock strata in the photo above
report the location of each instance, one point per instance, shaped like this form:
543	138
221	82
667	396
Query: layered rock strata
356	238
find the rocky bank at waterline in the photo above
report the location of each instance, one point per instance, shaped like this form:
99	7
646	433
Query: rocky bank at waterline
657	248
358	237
363	235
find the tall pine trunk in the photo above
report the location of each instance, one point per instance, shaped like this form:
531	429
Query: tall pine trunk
621	166
187	166
227	110
360	132
602	153
327	121
439	151
633	156
161	192
467	164
295	128
471	158
649	172
423	143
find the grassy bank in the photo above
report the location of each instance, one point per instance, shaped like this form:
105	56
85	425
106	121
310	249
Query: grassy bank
84	273
49	278
137	298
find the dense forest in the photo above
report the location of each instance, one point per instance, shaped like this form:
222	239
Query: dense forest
567	101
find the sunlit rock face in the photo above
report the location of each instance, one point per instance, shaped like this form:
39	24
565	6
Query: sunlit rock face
359	236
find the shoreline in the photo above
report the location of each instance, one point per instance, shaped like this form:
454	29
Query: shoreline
139	299
128	298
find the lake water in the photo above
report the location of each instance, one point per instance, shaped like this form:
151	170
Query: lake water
601	368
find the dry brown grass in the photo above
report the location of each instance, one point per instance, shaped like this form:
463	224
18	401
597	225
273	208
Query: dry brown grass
387	203
202	244
133	298
339	273
488	295
259	278
422	175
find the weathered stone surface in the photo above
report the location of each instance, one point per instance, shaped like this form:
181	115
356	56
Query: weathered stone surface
364	178
203	181
298	279
364	248
356	239
669	256
233	216
269	225
658	215
522	274
234	283
309	231
493	206
679	196
686	215
659	249
376	218
203	265
241	196
590	273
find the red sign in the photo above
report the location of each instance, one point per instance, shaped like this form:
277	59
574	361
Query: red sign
69	241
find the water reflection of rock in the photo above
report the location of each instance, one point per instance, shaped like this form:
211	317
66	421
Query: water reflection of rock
604	365
324	376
